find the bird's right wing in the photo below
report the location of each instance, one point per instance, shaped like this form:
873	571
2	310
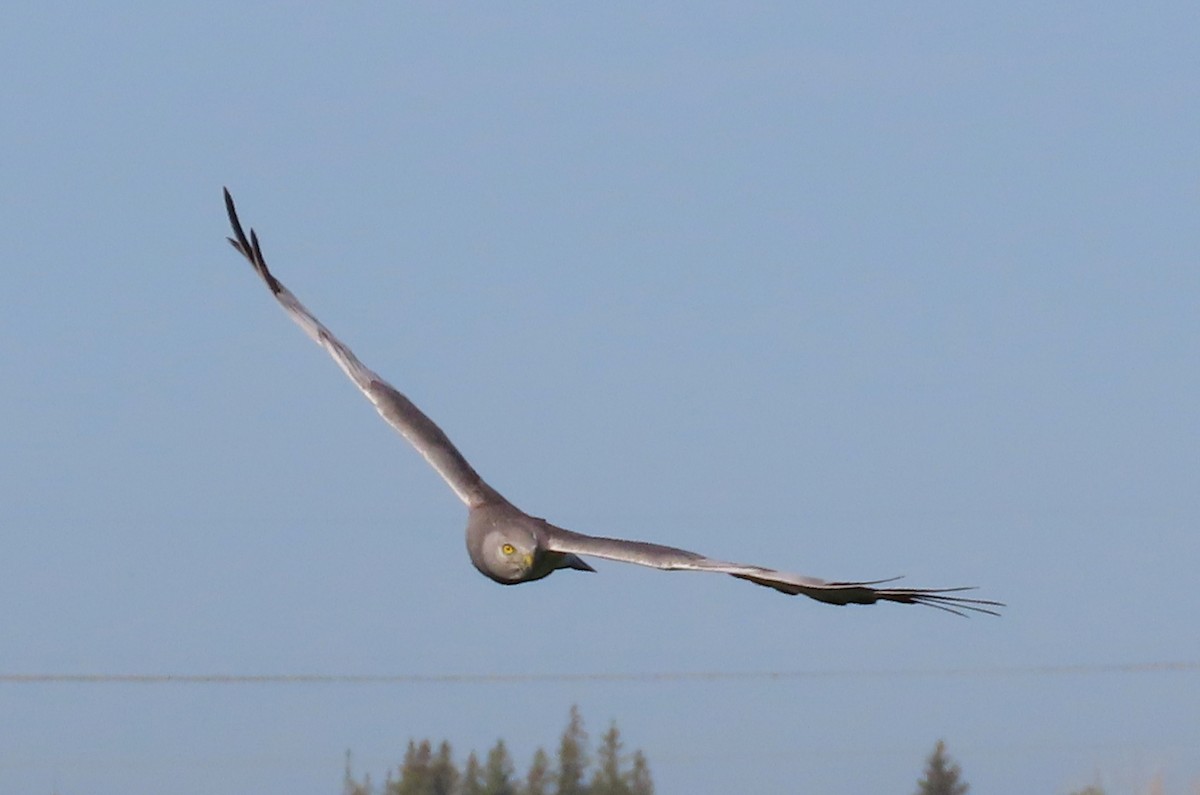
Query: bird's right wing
838	593
400	412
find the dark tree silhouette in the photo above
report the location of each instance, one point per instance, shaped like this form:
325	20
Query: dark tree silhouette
350	786
610	779
942	775
639	778
498	771
538	780
572	756
472	780
443	775
414	771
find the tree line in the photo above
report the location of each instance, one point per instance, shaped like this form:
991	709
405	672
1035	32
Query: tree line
427	770
573	770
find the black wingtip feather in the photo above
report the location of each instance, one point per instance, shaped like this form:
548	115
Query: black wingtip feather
249	248
957	604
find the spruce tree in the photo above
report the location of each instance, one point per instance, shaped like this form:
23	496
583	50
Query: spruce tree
472	779
414	771
942	775
639	777
572	756
443	775
537	782
498	771
350	786
609	778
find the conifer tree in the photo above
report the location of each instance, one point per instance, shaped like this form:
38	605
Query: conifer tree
443	775
942	775
350	786
472	778
609	778
414	771
498	771
572	756
537	782
639	777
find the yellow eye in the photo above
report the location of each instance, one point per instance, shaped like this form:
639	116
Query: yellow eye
508	549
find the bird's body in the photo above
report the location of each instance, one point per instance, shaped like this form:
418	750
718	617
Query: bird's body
510	546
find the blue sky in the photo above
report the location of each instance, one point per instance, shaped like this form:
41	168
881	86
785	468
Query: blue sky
851	290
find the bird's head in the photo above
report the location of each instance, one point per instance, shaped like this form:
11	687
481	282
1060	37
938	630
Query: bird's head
508	554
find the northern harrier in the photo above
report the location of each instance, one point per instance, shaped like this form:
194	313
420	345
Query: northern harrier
508	545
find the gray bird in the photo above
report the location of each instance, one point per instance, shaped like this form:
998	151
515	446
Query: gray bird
508	545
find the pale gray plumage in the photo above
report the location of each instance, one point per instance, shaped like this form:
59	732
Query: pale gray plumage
508	545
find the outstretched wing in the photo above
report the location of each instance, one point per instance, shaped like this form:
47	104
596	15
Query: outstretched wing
834	593
400	412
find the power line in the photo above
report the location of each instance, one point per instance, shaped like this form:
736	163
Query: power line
1081	669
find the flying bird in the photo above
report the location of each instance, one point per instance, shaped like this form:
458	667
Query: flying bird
510	546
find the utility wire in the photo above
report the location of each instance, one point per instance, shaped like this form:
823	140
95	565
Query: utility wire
1081	669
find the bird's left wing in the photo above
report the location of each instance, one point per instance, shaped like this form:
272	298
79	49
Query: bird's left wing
836	593
400	412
